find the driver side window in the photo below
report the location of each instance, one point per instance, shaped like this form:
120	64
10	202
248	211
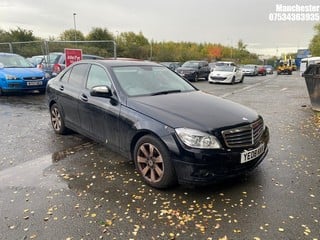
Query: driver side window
97	76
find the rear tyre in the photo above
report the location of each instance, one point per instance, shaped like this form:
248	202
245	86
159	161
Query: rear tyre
57	120
241	81
153	162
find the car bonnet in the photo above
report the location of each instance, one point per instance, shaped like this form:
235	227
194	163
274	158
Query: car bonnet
196	110
23	72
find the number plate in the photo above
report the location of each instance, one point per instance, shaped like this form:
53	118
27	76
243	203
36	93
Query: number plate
247	156
37	83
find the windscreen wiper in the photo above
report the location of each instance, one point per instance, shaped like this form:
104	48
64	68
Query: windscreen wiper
165	92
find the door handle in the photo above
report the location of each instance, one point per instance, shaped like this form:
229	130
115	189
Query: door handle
61	87
84	97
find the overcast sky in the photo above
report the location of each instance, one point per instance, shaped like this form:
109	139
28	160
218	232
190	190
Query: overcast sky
214	21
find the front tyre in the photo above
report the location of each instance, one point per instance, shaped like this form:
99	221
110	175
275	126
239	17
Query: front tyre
153	162
196	77
233	80
57	120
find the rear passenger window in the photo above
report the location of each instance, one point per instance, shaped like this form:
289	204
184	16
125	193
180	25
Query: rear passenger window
78	74
65	77
97	76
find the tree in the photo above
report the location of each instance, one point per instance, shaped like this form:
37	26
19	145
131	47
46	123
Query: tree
241	45
72	35
99	34
314	45
17	35
133	45
215	52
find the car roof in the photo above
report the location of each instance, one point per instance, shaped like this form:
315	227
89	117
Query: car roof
196	61
120	62
228	62
8	54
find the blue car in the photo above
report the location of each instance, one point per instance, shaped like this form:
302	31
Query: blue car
17	74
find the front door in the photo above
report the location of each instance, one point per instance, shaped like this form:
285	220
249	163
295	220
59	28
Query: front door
99	115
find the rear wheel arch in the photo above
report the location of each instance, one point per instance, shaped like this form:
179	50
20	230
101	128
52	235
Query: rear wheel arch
57	119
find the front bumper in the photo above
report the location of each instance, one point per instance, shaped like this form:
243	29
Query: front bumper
249	73
188	75
201	167
23	86
220	79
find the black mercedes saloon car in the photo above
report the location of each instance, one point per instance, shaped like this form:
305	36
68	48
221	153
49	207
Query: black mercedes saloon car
172	131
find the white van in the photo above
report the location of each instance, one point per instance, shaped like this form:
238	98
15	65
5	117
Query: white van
305	62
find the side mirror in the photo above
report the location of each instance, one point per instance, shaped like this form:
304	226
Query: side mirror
101	91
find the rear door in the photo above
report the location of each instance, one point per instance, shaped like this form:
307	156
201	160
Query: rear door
70	87
204	70
238	73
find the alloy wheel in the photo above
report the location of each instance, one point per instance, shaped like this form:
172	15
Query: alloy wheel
150	162
56	119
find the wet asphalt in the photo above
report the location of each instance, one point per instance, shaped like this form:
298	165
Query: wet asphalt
69	187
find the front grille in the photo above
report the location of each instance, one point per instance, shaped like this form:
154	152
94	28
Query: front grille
218	78
244	136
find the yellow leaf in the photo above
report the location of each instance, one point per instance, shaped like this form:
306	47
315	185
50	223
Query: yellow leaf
224	238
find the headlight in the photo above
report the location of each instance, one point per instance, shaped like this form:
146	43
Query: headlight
197	139
11	77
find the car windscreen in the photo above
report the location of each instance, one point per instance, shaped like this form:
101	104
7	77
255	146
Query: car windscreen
149	80
190	65
249	66
224	68
53	58
15	61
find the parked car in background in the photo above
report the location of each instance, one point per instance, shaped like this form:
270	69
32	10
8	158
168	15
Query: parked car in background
194	70
226	74
262	70
224	63
17	74
36	60
55	62
148	113
171	65
212	65
250	70
269	69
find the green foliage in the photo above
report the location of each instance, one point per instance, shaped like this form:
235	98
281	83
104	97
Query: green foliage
98	34
72	35
17	35
129	45
133	45
315	42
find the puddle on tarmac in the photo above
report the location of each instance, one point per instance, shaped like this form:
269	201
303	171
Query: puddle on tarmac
58	156
38	172
29	173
